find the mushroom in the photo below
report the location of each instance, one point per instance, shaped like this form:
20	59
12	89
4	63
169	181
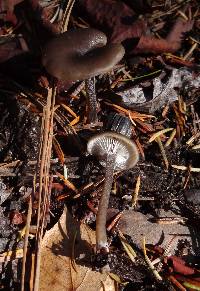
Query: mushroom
81	54
115	152
119	123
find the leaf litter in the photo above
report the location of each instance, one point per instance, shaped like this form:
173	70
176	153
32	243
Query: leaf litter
149	79
57	271
123	24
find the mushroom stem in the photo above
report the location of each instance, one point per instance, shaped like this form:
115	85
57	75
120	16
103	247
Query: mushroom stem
92	105
101	236
114	151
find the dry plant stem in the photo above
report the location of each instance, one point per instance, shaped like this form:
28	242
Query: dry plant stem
28	222
92	105
44	176
66	16
101	236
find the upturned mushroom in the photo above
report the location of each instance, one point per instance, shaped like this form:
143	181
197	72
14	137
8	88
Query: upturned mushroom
81	54
119	123
115	152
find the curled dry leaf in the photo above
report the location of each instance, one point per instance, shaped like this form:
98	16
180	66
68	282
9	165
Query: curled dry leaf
118	19
180	27
122	24
150	44
163	93
59	268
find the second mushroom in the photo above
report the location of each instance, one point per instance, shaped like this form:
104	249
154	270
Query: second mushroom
115	152
81	54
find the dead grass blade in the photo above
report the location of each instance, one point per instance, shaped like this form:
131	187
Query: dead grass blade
127	247
172	135
151	266
163	153
184	168
129	113
68	109
159	133
67	14
67	183
28	222
58	151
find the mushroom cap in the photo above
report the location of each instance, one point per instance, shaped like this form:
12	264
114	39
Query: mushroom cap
119	123
112	143
80	54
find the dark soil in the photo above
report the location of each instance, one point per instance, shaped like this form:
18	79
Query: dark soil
23	83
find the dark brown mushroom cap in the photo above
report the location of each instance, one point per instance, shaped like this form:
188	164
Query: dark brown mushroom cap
80	54
112	143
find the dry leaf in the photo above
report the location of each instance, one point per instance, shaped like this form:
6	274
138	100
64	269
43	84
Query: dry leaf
179	266
162	92
57	271
121	23
180	27
115	17
150	44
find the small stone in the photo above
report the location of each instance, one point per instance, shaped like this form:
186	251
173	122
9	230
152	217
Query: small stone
138	226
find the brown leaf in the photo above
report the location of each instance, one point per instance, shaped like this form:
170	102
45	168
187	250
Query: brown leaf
150	44
179	266
115	17
121	23
58	270
180	27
